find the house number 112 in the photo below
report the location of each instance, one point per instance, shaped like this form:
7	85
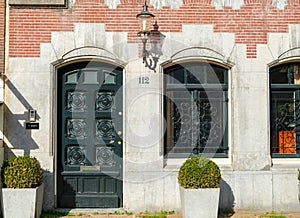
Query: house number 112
144	80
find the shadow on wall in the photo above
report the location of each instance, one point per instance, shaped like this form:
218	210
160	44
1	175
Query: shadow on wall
227	199
17	136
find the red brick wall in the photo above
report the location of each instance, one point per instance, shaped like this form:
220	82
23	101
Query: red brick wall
31	26
2	33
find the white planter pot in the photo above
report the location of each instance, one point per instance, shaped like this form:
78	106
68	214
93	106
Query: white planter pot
199	202
25	202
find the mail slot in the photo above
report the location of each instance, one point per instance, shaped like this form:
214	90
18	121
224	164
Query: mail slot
89	168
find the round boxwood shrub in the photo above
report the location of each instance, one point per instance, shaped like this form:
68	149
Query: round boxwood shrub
21	172
198	172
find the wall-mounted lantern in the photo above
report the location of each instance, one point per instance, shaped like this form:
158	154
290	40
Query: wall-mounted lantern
145	19
149	31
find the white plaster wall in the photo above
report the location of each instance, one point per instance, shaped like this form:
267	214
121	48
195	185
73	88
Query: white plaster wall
28	86
250	112
285	189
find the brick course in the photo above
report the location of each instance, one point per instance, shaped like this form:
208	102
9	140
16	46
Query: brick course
31	26
2	32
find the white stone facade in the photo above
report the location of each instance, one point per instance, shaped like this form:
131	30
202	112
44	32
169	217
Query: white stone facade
280	4
251	178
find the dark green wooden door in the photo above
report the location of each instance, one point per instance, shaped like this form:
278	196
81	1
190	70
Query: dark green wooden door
89	130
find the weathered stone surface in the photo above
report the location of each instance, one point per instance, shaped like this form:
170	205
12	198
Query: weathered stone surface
280	4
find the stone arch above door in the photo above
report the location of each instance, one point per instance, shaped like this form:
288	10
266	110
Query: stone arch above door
88	40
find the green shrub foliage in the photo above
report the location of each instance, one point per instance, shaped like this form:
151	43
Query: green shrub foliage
22	172
198	172
299	175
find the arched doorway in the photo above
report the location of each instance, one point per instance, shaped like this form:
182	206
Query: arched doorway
89	135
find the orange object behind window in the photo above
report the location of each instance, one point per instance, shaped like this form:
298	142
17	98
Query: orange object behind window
287	142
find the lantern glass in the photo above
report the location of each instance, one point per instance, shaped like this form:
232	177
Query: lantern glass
146	23
145	20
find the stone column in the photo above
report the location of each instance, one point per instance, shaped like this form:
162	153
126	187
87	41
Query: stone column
250	111
143	159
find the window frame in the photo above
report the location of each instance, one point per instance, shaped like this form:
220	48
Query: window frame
276	88
224	145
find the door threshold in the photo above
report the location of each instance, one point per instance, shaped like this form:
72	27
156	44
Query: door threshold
90	210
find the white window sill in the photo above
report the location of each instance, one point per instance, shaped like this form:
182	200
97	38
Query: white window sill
285	163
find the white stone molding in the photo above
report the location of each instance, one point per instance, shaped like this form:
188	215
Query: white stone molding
221	4
91	39
184	45
218	4
173	4
284	46
112	4
72	3
280	4
158	4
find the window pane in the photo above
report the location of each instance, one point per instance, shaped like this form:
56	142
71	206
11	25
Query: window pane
176	76
279	75
216	75
90	77
195	122
283	122
296	70
110	78
197	73
71	78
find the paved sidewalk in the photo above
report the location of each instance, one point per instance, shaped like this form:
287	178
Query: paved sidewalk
247	214
111	213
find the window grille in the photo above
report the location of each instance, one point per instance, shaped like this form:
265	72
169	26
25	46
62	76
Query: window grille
196	110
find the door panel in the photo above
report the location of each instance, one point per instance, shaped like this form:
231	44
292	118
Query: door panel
89	133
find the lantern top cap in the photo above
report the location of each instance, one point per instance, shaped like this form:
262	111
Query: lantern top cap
145	13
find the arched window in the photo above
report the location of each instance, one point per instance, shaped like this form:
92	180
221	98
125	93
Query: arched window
196	110
285	110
